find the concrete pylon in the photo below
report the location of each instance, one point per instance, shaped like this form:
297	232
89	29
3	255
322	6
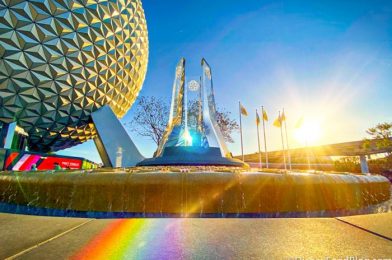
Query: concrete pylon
364	164
113	143
7	134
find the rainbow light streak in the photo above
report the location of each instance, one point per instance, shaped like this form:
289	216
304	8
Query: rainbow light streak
135	239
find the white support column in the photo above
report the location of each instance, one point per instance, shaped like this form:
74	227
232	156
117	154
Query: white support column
364	164
113	142
10	135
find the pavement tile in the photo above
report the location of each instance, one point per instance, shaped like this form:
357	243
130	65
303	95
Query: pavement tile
377	223
18	232
66	246
218	239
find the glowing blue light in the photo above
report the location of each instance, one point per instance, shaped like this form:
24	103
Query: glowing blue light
187	137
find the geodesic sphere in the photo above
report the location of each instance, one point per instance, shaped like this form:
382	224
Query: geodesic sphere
61	60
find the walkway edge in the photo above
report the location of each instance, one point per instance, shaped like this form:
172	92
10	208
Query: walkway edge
47	241
364	229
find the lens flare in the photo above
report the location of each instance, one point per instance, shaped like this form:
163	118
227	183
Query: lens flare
188	138
309	133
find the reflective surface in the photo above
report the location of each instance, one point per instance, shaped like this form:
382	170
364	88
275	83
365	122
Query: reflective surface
176	117
62	60
193	135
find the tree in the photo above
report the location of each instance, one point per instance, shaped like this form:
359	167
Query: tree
381	134
227	124
348	164
150	118
152	115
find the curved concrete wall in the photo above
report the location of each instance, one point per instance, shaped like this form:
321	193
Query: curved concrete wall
193	193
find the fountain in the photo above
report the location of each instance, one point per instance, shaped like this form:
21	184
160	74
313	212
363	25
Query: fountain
191	174
192	192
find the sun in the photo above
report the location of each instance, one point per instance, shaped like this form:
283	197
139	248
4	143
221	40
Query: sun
309	132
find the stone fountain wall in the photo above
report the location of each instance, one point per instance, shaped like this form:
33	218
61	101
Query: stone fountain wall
193	193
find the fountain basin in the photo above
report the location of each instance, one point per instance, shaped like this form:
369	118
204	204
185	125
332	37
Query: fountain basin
192	193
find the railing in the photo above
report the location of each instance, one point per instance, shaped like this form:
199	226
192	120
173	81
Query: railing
296	166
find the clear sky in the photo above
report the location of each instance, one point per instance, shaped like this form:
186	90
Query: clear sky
330	61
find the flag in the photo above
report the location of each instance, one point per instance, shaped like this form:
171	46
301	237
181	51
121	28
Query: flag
283	117
243	110
265	116
257	118
300	122
278	122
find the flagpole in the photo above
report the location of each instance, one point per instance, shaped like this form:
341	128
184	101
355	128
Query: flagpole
283	151
242	146
265	140
258	138
307	152
287	142
299	124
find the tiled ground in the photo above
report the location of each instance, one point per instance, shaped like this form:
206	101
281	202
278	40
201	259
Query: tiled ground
32	237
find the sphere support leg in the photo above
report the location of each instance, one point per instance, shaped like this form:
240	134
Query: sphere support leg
113	143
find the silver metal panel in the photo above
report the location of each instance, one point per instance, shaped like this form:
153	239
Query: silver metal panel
113	142
206	133
211	127
177	112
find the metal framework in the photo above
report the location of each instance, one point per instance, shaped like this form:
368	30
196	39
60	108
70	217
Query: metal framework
61	60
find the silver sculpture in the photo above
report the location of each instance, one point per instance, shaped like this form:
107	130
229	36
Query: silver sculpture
187	144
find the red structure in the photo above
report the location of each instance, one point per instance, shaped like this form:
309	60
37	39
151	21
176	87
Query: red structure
13	160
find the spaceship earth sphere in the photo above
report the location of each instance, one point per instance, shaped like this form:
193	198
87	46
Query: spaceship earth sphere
61	60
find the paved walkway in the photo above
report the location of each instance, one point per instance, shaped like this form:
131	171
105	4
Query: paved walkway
32	237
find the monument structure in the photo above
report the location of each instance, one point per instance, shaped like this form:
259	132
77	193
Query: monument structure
198	141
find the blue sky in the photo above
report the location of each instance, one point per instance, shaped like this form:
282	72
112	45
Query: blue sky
330	61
